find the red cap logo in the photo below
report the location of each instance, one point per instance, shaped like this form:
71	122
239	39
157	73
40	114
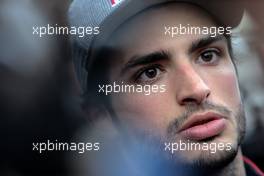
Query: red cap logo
115	2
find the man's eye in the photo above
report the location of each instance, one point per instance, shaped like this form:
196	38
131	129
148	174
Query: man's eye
149	74
209	57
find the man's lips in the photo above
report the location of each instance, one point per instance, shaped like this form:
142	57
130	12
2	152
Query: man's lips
203	126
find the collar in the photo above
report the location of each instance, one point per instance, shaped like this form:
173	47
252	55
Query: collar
251	168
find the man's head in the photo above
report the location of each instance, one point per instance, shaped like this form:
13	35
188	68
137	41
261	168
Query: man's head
197	72
200	102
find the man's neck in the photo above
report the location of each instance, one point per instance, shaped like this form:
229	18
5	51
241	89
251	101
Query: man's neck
235	168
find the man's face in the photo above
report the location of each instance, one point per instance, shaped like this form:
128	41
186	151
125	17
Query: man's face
201	102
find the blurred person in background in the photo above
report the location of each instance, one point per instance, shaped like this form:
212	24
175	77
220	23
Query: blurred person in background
36	88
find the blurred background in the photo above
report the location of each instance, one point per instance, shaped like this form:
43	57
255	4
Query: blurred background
39	95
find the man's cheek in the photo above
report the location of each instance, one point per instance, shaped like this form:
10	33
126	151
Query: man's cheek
141	111
138	103
228	88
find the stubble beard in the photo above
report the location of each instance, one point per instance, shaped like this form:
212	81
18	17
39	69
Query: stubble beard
151	148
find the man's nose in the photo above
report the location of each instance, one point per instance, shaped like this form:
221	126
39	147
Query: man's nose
192	89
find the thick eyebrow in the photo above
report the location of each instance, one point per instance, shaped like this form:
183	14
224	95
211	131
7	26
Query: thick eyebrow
203	42
145	59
